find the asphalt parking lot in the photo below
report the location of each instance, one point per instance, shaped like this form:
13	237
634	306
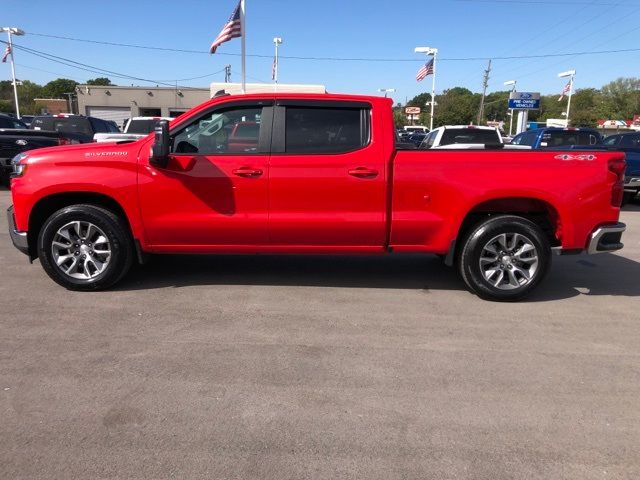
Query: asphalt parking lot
320	367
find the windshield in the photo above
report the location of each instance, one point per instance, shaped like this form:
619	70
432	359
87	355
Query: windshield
469	135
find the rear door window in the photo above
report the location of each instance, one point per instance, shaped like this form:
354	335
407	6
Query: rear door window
319	130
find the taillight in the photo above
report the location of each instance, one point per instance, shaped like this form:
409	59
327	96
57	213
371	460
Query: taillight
617	167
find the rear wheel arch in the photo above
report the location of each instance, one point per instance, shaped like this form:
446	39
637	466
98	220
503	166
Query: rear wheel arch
536	210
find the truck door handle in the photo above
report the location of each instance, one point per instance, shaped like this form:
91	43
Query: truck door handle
363	172
247	172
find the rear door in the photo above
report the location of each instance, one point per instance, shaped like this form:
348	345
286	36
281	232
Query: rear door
327	176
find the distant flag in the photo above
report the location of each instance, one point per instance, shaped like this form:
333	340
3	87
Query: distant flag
425	71
231	29
7	52
565	91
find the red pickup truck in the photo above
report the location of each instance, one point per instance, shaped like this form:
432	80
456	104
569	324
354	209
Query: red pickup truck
312	174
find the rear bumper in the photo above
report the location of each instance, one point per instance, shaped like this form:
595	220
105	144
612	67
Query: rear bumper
606	238
19	239
632	184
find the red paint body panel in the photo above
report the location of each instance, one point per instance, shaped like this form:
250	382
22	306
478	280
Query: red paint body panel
415	201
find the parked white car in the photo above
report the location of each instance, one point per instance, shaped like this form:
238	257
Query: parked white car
135	128
466	137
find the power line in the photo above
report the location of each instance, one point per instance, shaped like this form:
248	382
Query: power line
548	2
348	59
102	71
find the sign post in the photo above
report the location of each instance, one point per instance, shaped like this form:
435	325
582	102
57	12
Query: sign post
412	112
523	102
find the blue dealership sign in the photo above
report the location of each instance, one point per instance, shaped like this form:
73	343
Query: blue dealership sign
524	101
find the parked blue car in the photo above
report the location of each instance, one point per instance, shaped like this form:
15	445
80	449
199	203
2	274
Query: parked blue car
629	143
559	138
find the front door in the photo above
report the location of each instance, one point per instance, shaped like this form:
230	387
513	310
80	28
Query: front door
327	177
214	192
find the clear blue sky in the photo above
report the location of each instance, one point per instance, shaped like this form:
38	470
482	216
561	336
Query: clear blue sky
335	28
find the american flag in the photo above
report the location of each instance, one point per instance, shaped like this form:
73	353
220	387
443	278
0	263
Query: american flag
7	52
231	29
565	91
425	71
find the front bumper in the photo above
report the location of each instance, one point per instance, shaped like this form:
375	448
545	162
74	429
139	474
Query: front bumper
606	238
19	239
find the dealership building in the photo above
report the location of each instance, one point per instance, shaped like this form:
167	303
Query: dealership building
120	103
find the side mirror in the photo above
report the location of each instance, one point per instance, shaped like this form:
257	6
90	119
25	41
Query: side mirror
160	148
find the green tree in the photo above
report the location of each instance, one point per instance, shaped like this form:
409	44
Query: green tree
57	88
101	81
496	106
399	117
6	106
456	106
623	95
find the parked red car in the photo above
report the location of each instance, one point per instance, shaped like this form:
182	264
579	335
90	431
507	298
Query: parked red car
317	174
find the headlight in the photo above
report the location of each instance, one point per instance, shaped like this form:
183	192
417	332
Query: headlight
19	165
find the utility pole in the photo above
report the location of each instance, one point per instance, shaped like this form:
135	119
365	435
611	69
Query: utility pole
15	31
485	84
227	74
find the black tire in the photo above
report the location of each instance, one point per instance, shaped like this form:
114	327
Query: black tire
114	229
483	235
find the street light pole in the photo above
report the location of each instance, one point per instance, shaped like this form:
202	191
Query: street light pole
386	91
513	90
277	42
18	32
434	53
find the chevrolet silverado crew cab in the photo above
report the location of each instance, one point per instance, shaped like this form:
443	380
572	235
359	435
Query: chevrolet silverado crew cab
309	174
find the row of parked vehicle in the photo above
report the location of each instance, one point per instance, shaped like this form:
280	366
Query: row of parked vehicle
30	132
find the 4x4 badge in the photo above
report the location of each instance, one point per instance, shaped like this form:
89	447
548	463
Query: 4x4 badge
566	156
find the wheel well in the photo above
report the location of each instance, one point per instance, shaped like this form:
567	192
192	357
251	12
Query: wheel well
46	206
538	211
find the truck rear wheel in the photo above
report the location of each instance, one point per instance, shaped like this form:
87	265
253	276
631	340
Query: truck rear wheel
504	258
85	247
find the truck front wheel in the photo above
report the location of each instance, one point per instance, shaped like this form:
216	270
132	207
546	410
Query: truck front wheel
85	247
504	258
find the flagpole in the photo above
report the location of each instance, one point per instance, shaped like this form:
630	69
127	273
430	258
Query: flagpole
244	42
569	102
433	88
